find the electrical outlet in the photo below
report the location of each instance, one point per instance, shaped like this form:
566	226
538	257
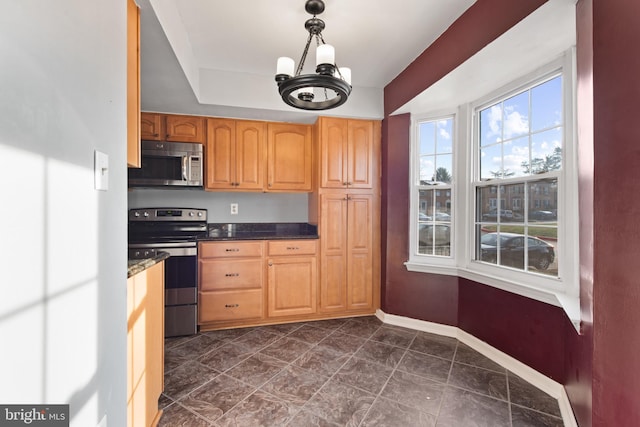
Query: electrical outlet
234	209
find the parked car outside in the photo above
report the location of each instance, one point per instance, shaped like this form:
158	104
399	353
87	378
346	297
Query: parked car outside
443	216
542	216
506	215
512	246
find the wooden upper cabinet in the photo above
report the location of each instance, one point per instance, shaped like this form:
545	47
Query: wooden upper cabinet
250	154
334	151
133	85
347	153
289	157
172	127
235	154
220	154
185	128
152	127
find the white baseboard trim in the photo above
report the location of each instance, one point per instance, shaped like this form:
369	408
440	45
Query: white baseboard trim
537	379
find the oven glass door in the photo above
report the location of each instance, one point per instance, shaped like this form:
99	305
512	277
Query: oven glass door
181	272
181	276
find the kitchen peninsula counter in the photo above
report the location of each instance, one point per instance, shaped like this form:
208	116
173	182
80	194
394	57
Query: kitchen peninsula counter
260	231
135	266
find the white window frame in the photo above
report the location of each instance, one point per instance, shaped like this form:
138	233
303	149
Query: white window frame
562	291
438	263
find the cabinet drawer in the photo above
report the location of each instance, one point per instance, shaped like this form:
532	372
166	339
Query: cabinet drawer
230	274
229	305
292	247
230	249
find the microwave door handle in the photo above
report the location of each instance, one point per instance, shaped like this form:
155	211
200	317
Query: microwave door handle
185	175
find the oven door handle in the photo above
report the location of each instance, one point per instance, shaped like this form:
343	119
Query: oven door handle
193	251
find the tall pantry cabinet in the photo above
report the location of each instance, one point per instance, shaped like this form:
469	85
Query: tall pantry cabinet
346	207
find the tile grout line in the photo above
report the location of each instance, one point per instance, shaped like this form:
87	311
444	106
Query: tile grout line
447	385
221	373
352	355
506	375
379	395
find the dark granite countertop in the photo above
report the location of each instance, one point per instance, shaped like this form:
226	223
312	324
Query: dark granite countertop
135	266
261	231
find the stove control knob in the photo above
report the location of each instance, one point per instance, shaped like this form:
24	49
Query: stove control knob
199	213
136	214
146	214
191	214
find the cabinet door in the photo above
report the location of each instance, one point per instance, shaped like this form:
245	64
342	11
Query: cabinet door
185	128
333	245
250	155
151	127
334	134
360	154
289	157
360	250
133	85
292	284
220	150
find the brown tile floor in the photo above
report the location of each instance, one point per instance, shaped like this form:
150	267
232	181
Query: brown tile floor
347	372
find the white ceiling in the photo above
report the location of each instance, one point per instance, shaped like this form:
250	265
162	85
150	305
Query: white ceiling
218	57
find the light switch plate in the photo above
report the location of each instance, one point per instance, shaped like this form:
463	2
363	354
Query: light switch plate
101	171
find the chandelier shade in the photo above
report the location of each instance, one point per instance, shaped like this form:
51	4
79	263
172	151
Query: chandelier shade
329	87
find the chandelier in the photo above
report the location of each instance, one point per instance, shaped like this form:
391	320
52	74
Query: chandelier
329	87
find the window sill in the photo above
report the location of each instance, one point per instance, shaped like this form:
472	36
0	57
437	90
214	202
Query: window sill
569	303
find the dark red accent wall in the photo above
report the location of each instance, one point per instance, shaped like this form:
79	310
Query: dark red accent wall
481	24
526	329
416	295
616	283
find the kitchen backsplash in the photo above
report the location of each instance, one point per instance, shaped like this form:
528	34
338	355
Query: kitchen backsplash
252	207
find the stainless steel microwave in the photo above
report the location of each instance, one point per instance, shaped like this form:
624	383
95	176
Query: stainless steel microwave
168	164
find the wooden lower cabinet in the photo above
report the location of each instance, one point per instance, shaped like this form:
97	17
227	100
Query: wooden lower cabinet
245	283
145	346
346	268
292	278
230	284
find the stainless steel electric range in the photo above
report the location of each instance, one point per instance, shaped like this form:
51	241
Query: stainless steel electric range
175	231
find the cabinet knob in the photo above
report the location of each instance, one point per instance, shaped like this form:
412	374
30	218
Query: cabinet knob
232	275
270	264
232	250
231	305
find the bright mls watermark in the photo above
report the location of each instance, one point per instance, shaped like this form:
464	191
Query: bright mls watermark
34	415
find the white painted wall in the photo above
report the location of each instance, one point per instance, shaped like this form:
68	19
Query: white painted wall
63	244
252	207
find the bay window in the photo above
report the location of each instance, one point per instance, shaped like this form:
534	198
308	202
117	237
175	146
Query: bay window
494	189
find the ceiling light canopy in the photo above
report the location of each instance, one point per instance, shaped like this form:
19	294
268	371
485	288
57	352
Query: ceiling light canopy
329	87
